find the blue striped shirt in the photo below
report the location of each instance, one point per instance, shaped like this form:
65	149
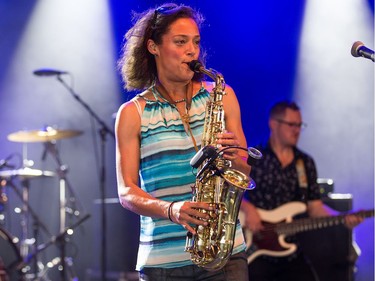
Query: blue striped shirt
165	173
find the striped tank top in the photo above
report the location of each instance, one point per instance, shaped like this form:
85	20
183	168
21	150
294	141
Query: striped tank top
165	173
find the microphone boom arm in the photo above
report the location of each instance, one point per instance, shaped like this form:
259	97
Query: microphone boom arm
105	128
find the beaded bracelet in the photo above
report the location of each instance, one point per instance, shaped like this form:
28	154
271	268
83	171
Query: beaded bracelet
170	210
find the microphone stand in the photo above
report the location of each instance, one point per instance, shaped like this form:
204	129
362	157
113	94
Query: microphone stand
104	130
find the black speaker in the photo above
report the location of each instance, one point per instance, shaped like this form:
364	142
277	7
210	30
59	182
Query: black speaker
122	238
331	250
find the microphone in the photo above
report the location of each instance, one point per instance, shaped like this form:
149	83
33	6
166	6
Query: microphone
360	50
48	72
208	164
203	153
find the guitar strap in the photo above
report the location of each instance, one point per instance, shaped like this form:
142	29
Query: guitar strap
302	179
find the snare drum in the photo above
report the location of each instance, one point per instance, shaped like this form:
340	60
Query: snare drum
10	256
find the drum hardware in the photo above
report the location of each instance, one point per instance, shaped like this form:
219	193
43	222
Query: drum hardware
103	132
62	170
47	134
26	243
10	257
60	240
25	173
4	163
3	201
27	256
50	265
65	189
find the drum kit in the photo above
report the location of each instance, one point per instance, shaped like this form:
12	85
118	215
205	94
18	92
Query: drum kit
19	255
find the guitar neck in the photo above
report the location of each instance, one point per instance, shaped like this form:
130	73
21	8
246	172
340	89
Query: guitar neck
306	224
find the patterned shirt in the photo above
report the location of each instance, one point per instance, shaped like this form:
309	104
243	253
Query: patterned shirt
277	185
165	173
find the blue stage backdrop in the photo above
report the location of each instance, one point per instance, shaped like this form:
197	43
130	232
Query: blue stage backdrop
266	50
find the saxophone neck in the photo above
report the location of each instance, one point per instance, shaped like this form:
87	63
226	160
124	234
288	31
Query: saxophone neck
219	80
217	77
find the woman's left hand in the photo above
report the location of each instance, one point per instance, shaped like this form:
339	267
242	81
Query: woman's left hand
228	139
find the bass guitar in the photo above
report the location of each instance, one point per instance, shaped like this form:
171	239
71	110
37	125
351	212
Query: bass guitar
278	224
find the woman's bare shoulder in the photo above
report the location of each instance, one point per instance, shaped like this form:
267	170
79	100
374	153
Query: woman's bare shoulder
210	85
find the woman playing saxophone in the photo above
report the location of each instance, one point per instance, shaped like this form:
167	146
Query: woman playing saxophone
159	131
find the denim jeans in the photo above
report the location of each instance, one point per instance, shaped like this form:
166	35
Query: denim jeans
234	270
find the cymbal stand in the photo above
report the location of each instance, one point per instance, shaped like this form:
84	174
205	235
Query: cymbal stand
25	206
55	239
26	211
25	218
64	186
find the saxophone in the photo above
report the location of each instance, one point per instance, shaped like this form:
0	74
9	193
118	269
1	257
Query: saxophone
216	184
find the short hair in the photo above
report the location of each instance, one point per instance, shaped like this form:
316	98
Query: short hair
279	108
137	64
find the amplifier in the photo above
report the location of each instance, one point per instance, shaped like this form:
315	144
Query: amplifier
332	250
122	238
326	186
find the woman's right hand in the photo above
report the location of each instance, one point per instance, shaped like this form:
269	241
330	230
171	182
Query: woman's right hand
188	214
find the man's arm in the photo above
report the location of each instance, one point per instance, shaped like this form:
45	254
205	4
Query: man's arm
316	208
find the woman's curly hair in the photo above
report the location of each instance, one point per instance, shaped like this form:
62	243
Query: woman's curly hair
137	64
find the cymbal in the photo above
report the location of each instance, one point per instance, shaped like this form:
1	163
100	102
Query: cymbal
46	135
25	173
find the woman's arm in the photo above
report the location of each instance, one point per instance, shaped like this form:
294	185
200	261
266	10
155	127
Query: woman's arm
131	196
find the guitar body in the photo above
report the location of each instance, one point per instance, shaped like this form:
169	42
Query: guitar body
278	223
268	241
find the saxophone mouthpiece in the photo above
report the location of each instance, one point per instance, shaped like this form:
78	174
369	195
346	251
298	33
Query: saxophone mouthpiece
196	66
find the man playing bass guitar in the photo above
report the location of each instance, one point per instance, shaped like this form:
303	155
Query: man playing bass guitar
285	175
